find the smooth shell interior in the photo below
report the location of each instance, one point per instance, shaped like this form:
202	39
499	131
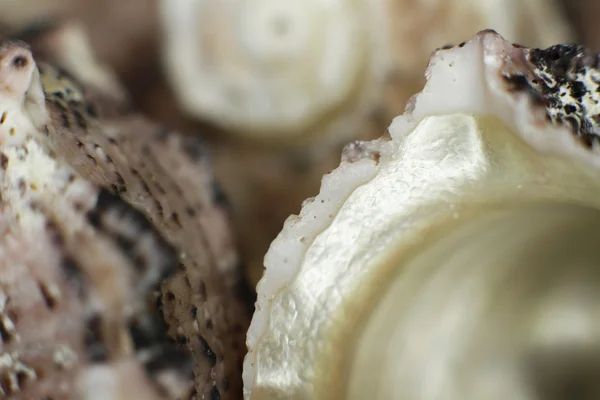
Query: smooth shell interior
502	305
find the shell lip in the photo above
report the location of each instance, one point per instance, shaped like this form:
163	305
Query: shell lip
517	85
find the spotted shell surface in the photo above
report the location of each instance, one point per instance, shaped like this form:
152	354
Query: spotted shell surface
119	270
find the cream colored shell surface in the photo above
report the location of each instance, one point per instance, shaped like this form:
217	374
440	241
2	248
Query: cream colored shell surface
495	124
276	68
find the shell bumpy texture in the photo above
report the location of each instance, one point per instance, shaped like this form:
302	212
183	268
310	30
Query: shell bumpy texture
118	275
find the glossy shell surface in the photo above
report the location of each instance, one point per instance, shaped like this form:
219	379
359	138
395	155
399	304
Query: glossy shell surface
495	124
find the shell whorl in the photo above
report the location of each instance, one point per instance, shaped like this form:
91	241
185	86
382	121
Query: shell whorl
271	68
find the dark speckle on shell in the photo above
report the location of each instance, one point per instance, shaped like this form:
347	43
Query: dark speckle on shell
131	213
565	79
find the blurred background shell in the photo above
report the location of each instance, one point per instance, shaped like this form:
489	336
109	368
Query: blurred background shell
387	42
387	45
275	69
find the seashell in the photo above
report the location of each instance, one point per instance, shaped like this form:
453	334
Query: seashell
273	70
111	285
276	70
75	304
123	35
267	183
67	45
583	15
456	258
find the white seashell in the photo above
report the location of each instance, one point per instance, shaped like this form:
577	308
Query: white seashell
455	260
276	68
271	69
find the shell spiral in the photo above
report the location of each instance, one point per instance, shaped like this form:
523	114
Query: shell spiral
269	67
